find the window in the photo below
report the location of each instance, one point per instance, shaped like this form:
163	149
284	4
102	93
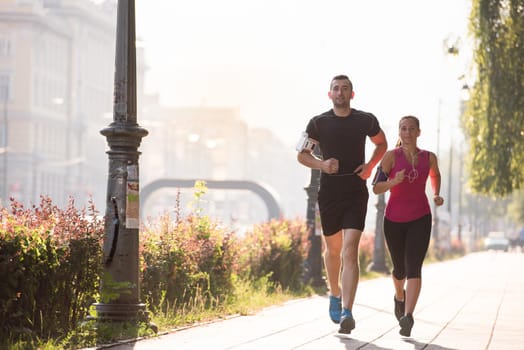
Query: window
5	46
5	88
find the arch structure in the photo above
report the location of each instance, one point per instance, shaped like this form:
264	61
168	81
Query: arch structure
273	208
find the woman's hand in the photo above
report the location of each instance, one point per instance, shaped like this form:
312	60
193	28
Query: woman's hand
399	177
438	200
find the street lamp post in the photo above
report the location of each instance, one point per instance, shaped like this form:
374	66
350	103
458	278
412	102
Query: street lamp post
314	258
379	253
5	95
461	184
435	225
120	281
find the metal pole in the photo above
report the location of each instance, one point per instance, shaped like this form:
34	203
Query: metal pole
120	289
450	180
459	215
435	212
379	252
314	258
5	92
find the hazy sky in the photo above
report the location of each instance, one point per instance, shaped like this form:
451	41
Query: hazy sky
274	59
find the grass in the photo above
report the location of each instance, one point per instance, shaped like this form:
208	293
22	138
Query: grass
249	298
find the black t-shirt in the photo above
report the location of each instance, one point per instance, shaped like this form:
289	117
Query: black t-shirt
343	138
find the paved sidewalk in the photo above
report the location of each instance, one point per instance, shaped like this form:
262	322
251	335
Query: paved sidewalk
476	302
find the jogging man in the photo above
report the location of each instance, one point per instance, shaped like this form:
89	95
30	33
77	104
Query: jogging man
341	134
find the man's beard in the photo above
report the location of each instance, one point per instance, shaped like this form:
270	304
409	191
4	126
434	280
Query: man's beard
342	104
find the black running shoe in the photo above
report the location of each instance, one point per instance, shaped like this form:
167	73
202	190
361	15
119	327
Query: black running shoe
406	323
400	307
347	322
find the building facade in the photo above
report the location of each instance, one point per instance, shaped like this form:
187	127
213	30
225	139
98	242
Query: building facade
212	143
56	79
56	89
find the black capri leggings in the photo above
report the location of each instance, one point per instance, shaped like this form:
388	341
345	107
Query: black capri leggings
408	243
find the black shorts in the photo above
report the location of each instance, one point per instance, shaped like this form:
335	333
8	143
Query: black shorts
342	211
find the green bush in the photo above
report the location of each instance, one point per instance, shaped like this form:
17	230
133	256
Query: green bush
365	251
49	265
185	258
277	249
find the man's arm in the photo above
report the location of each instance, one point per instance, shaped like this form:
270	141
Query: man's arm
381	146
307	158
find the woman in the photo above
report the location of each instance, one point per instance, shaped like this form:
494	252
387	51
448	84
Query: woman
407	221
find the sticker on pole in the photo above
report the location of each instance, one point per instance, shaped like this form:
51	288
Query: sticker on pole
318	224
132	198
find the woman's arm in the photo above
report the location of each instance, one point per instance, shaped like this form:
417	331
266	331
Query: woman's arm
383	182
434	175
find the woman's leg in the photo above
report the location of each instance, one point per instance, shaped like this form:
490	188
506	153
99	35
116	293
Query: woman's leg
417	243
395	239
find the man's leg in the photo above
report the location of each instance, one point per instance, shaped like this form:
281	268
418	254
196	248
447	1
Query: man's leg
333	246
350	275
332	261
350	267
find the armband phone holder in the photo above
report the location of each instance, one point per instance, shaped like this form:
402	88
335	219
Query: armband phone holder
380	176
304	143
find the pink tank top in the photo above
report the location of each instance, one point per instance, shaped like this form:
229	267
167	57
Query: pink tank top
408	200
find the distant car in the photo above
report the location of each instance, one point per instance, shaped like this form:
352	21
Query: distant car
496	241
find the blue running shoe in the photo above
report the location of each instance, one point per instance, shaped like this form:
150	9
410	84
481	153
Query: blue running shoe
335	307
347	322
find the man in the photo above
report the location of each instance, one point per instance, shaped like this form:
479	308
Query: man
341	133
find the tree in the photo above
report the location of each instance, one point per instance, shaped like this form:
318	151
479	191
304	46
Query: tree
494	118
516	207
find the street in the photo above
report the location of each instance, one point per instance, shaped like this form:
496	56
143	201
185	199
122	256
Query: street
474	302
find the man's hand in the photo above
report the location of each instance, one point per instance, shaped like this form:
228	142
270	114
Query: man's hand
330	166
364	171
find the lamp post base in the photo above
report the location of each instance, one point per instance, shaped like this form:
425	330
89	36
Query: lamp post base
121	312
378	267
133	313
